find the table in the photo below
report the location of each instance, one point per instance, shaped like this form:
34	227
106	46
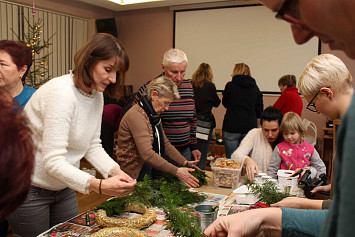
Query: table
84	224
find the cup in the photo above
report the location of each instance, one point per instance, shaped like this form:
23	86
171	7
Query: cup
204	217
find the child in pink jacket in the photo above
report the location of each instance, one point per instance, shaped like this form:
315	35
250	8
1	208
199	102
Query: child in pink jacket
294	152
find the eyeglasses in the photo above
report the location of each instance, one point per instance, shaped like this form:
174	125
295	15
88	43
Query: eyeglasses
311	106
288	6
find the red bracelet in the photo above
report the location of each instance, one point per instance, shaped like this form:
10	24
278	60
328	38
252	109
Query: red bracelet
100	186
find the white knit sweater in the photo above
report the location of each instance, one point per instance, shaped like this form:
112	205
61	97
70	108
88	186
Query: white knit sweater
66	124
255	146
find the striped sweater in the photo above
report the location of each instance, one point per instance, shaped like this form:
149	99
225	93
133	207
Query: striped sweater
179	122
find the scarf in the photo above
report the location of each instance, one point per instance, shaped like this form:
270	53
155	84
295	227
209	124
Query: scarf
155	121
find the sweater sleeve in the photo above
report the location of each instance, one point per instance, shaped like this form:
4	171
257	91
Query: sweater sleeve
97	156
246	146
274	164
317	165
226	96
140	131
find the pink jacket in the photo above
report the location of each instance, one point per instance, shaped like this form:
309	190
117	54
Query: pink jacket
295	156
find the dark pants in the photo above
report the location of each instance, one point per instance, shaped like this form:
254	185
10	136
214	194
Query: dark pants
202	146
42	210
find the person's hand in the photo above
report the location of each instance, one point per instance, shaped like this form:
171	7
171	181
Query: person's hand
192	164
257	222
196	154
183	174
250	166
299	203
325	188
115	186
291	202
117	171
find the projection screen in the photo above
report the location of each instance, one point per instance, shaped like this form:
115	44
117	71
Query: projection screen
223	37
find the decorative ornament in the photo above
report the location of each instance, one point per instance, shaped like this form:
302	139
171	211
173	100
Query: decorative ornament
38	52
149	217
33	8
41	63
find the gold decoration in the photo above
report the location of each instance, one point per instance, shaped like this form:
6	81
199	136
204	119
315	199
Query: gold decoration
149	217
118	231
41	63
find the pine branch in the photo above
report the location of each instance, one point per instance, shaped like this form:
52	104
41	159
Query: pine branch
168	193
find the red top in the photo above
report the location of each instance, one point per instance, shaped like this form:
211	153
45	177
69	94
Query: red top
289	101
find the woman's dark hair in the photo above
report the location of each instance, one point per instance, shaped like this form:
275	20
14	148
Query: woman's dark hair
20	54
271	114
101	46
16	155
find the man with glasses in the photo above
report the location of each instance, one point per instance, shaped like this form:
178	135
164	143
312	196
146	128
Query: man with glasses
333	22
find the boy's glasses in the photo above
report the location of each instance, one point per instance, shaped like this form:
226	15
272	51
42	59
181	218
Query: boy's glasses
288	6
311	106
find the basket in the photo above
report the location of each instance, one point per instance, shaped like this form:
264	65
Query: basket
243	196
285	180
224	177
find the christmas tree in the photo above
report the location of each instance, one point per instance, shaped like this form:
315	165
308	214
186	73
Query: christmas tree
38	74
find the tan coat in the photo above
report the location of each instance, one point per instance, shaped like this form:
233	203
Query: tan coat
135	138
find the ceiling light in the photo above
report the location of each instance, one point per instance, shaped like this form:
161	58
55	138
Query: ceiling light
126	2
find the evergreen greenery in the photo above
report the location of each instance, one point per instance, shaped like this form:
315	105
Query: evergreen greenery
268	192
169	194
38	74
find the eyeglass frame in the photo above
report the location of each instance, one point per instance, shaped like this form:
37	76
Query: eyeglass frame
281	14
312	104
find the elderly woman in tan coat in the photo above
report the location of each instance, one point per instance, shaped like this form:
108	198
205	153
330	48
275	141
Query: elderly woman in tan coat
141	139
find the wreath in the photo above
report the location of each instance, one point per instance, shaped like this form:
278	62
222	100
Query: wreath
119	231
149	217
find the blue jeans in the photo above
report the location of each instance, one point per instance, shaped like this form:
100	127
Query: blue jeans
231	142
42	210
202	146
187	154
302	222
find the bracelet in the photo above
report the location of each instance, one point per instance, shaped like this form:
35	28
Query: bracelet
100	186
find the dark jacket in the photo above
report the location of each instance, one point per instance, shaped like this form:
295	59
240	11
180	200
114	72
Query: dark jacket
244	103
205	98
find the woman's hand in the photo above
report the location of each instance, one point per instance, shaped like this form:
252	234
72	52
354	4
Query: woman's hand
325	188
183	174
250	166
299	203
119	184
257	222
117	171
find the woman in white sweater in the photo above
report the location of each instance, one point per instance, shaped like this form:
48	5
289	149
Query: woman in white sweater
257	146
65	117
